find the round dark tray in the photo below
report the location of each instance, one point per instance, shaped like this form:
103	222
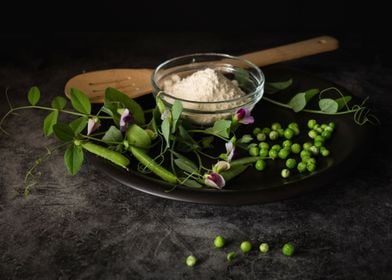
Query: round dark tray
348	144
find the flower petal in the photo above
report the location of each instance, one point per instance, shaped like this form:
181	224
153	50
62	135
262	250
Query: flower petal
229	150
221	166
126	118
247	120
92	125
214	180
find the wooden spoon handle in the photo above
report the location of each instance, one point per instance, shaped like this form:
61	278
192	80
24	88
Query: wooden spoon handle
292	51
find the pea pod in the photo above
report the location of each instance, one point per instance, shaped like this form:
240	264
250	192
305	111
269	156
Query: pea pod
158	170
138	137
106	153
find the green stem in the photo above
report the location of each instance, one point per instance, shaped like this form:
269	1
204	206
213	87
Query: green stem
307	110
100	140
209	133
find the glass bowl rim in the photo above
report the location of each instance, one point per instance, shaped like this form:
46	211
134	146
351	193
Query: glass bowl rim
223	55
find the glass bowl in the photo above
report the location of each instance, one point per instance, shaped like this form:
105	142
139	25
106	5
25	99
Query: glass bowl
247	75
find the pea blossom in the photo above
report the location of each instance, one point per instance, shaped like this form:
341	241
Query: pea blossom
125	119
221	166
243	116
92	125
214	180
229	150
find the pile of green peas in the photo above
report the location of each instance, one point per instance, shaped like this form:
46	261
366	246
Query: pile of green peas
276	142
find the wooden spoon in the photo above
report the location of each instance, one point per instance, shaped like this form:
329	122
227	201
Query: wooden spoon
137	82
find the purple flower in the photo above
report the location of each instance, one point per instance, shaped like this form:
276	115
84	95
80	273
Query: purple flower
243	116
92	125
221	166
214	180
126	118
229	150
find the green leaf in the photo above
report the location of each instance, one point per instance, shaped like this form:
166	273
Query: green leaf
343	101
34	95
80	101
176	113
138	137
73	159
221	128
242	77
191	183
113	134
49	122
59	102
328	105
187	166
63	131
277	86
165	127
233	172
115	99
78	124
245	139
299	101
206	142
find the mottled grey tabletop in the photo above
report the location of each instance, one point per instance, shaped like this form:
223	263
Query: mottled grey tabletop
91	227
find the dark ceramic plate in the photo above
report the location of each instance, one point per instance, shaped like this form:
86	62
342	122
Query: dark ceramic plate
347	145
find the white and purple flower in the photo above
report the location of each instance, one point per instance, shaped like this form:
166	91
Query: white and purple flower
125	119
230	148
214	180
92	125
243	116
221	166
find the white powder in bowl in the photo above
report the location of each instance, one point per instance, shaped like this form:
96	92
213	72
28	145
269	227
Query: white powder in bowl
205	85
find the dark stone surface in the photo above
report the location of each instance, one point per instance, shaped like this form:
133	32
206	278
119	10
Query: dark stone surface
90	227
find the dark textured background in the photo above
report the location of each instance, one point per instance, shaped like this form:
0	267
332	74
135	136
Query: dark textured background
91	227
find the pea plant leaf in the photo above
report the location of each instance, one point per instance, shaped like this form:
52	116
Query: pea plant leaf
34	95
59	102
185	163
49	122
78	124
165	127
245	139
73	159
242	77
221	128
300	100
113	134
343	101
63	131
115	99
328	105
191	183
274	87
234	171
80	101
176	113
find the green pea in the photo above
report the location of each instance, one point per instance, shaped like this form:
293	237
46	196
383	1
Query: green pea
191	261
285	173
312	134
310	160
288	249
288	133
219	242
319	138
331	125
260	165
263	248
311	123
291	163
328	129
273	135
286	143
324	152
230	256
307	146
276	147
296	148
261	136
319	130
254	151
323	126
301	167
246	246
263	152
305	153
266	130
256	131
275	126
314	150
310	166
264	145
154	167
280	132
283	153
318	144
273	153
326	134
106	153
